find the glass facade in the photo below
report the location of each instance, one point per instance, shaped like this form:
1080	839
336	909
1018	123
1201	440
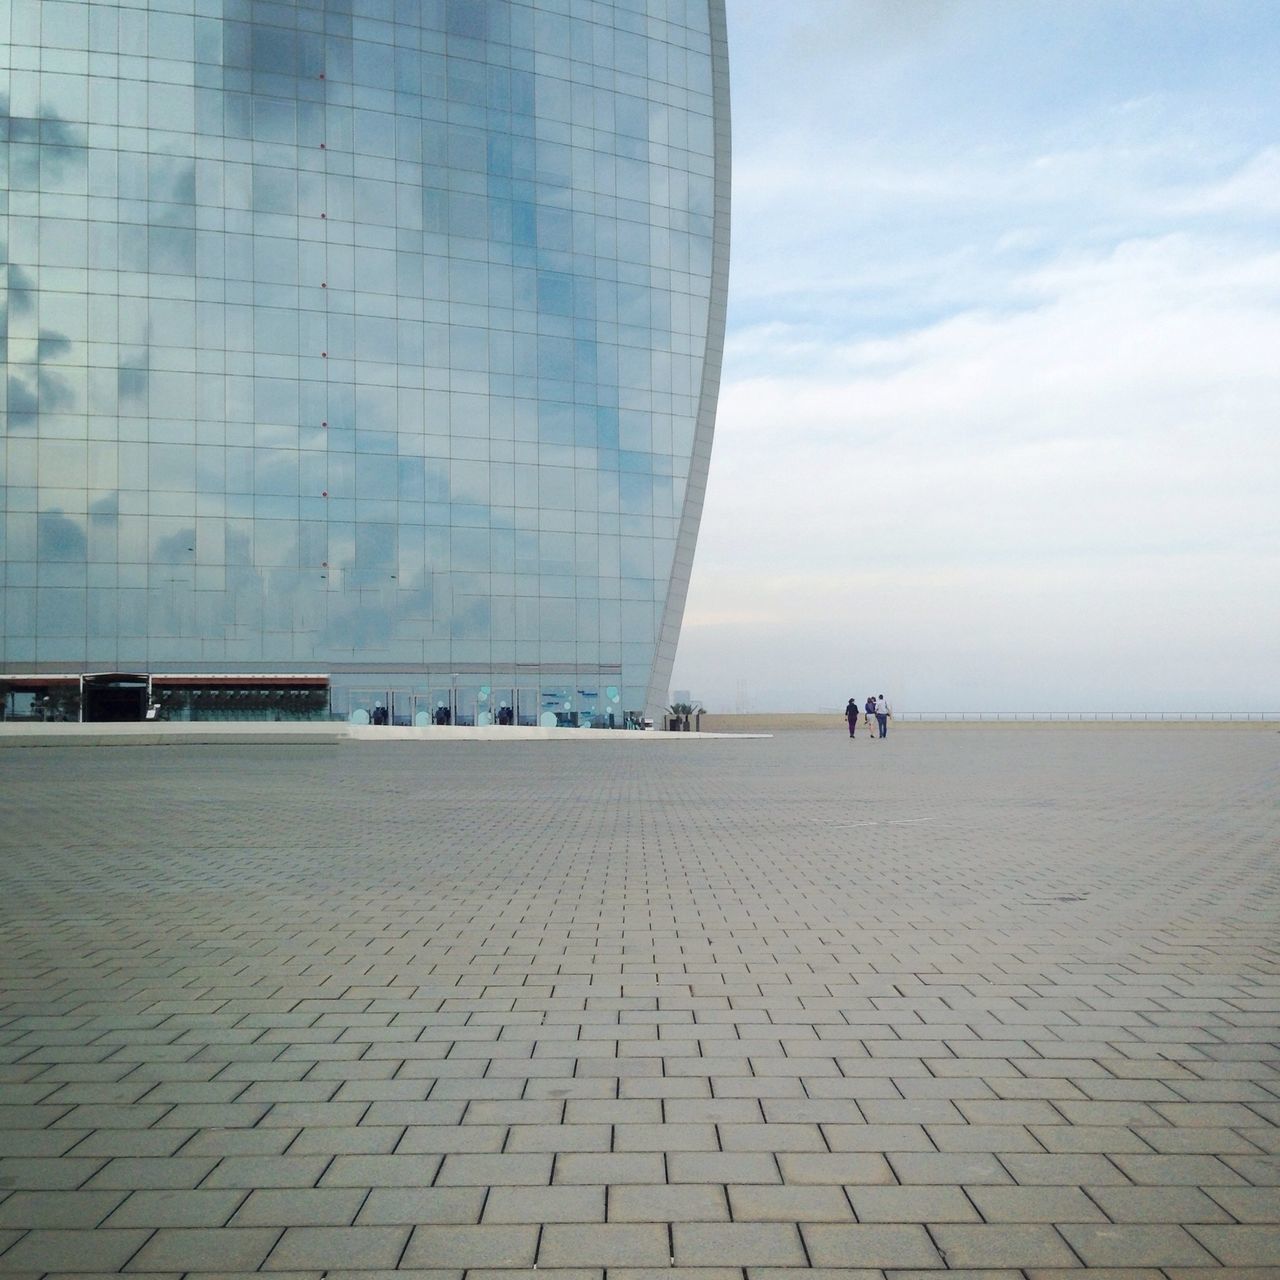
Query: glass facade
372	337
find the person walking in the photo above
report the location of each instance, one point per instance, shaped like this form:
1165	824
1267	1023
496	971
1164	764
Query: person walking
851	715
869	712
883	712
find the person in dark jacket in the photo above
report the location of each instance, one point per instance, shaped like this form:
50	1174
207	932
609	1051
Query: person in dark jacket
869	710
851	715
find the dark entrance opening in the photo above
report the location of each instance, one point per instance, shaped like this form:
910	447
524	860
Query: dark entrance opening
115	696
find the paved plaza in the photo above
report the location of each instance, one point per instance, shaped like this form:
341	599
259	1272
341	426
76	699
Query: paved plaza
999	1000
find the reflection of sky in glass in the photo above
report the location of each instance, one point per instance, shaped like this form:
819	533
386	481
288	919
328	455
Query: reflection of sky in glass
378	345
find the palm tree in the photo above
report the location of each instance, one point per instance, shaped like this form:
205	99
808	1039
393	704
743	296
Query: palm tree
678	714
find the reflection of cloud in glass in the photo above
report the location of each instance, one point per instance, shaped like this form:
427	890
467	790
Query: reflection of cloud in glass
177	547
22	291
59	537
171	180
21	394
131	385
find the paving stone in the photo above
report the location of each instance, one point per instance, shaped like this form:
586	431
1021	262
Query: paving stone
862	1245
1088	1139
502	1273
789	1204
1170	1171
399	1113
1195	1141
269	1171
669	1137
1164	1204
1002	1244
223	1249
240	1142
832	1168
1261	1171
745	1244
1218	1273
608	1245
176	1209
1104	1273
605	1170
1245	1245
949	1169
38	1142
877	1137
1130	1245
789	1273
1247	1204
452	1139
1028	1112
40	1174
912	1204
679	1202
710	1110
771	1137
136	1142
53	1251
984	1274
982	1137
525	1138
620	1111
374	1140
324	1248
28	1209
300	1207
388	1206
1037	1204
130	1173
545	1204
495	1170
137	1116
471	1247
1063	1171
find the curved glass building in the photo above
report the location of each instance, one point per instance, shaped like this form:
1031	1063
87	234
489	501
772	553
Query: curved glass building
368	340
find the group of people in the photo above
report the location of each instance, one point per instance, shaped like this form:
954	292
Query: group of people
876	705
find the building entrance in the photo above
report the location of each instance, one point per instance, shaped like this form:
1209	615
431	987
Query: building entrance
528	706
114	696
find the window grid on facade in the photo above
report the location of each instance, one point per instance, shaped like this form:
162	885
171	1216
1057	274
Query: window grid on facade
355	335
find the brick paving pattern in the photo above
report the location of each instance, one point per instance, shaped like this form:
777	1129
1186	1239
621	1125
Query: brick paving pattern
999	1001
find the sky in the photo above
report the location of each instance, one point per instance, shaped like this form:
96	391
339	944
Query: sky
999	427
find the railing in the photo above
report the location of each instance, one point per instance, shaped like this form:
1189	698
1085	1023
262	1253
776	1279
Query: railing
977	717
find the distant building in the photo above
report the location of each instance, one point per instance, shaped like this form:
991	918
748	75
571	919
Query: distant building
364	347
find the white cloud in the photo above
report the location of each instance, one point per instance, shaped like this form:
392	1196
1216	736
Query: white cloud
1093	471
1253	188
999	417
